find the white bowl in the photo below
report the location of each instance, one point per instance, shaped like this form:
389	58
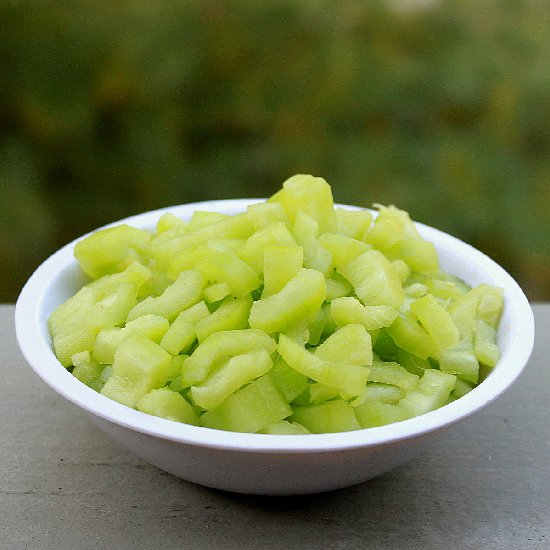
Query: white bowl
269	464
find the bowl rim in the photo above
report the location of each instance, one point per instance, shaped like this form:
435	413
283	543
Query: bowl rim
39	355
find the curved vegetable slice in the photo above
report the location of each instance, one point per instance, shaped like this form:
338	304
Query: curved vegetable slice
296	304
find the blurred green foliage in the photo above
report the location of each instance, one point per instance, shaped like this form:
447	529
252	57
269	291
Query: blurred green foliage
109	108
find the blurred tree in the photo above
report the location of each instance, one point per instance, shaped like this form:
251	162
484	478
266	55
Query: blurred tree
112	108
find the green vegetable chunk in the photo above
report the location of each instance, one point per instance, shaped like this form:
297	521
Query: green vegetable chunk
220	345
328	417
228	378
346	310
87	370
168	404
183	332
232	314
432	392
436	320
296	304
281	265
375	279
353	223
311	195
285	428
75	324
348	379
275	234
111	250
140	365
350	345
152	326
376	413
185	292
485	348
252	408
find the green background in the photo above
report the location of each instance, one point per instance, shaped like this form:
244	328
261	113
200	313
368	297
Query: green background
111	108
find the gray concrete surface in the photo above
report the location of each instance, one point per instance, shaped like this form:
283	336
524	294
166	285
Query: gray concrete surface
65	485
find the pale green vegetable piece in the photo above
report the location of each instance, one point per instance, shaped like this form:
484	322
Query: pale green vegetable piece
461	388
413	363
464	311
219	346
284	427
342	249
75	324
72	327
296	304
310	194
403	270
329	417
394	374
232	227
185	292
446	290
156	283
374	413
490	306
432	392
436	320
350	345
182	333
281	265
418	254
194	255
231	376
317	327
152	326
256	406
140	365
176	364
232	314
263	214
394	233
276	234
135	274
216	292
375	279
349	380
385	393
460	361
321	392
227	268
111	250
416	290
410	336
289	381
87	370
168	222
306	231
347	310
202	218
485	347
390	226
168	404
353	223
337	287
122	389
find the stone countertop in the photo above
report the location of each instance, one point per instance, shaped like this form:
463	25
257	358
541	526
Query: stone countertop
66	485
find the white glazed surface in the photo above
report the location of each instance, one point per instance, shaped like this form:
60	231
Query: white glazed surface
257	463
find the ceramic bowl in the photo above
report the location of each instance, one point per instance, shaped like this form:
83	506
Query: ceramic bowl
270	464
